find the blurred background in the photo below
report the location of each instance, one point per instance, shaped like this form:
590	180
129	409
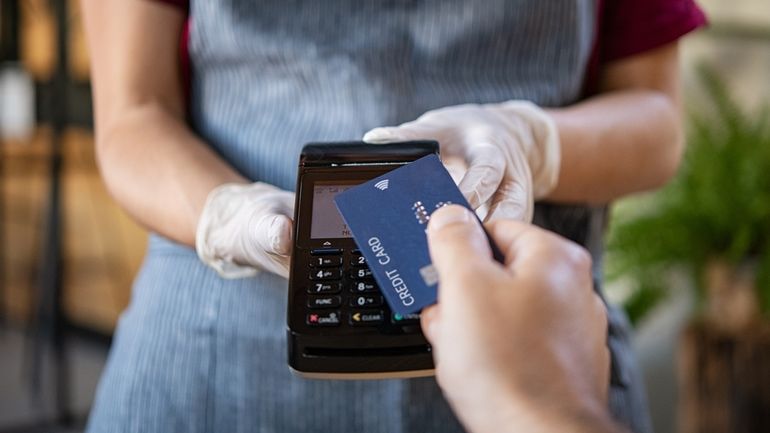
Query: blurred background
690	263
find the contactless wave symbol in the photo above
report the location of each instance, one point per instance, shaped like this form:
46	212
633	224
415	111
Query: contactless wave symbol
382	185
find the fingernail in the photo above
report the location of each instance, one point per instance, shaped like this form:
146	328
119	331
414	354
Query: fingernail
447	215
432	330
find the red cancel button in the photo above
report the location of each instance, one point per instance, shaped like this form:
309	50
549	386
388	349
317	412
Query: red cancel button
331	318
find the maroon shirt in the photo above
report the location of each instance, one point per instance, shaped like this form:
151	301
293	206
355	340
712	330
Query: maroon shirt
630	27
626	28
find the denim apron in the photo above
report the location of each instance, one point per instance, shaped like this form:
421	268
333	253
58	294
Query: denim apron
197	353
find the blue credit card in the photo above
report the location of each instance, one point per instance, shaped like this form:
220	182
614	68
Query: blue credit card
388	217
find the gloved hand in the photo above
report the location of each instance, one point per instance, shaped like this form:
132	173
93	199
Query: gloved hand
512	151
246	228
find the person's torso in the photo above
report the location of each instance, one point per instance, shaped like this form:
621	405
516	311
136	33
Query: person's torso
269	76
272	75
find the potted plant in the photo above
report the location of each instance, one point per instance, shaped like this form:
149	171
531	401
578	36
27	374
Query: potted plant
711	226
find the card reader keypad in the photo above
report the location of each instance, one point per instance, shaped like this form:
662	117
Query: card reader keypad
325	261
341	291
325	274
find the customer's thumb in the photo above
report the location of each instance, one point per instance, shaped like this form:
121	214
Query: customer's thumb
457	242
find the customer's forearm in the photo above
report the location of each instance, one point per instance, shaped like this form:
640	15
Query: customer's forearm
616	144
529	415
159	171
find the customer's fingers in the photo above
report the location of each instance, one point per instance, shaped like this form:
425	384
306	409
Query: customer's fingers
429	320
601	326
458	247
508	234
531	251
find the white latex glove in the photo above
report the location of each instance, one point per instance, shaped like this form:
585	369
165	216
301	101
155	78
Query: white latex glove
244	229
512	151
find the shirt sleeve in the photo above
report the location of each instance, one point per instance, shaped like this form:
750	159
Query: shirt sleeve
182	4
630	27
184	42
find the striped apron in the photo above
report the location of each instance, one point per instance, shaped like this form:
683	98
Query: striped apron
197	353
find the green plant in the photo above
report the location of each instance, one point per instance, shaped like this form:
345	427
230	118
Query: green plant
717	207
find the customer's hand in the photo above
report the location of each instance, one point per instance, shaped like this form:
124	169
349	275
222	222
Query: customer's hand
246	228
512	151
519	346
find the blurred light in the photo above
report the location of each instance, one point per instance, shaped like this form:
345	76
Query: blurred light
17	102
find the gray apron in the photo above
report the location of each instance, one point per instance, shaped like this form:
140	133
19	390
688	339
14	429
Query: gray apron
197	353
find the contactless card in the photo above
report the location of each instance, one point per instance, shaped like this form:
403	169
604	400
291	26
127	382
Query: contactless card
388	217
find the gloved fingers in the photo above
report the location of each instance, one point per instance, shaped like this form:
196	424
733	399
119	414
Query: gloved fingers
486	167
273	242
245	228
277	239
512	200
278	265
414	130
456	167
284	203
450	141
539	140
268	237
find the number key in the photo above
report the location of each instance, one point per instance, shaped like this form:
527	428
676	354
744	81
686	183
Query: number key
327	288
366	301
361	273
325	261
326	274
363	287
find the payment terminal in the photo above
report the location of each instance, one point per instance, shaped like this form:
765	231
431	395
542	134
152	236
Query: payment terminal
339	325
